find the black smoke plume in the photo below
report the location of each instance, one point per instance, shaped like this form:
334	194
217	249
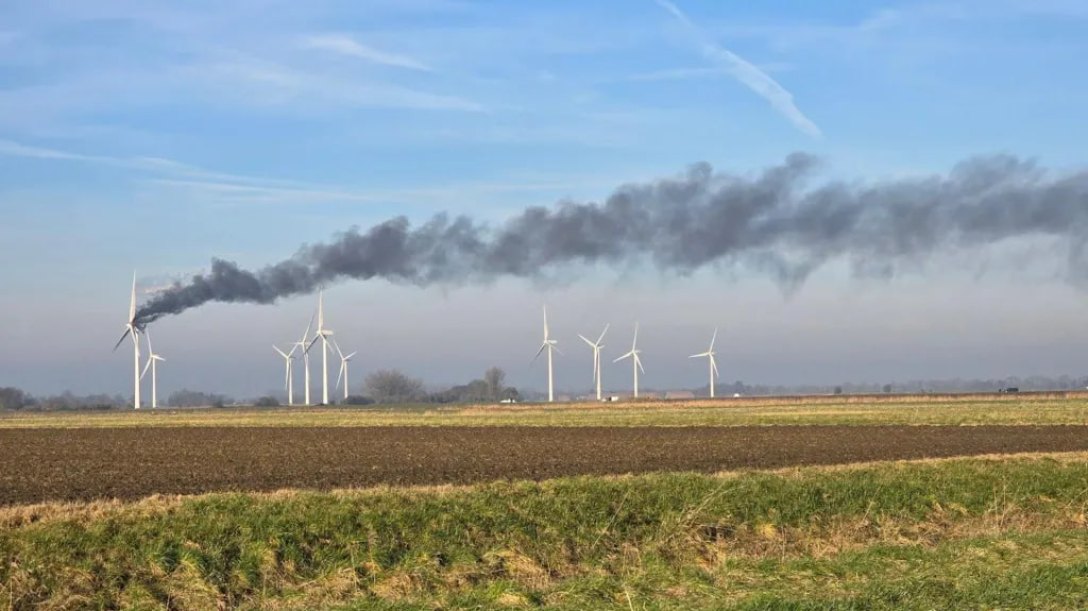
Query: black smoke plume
770	222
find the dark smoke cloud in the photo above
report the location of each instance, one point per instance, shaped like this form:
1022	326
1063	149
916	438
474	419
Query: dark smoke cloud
770	222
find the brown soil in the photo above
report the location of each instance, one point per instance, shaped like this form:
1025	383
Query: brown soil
82	464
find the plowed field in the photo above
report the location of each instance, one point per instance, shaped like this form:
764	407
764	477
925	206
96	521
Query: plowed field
83	464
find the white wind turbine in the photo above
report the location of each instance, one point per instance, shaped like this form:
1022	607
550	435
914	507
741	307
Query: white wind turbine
289	383
132	329
713	365
305	356
596	358
323	334
636	363
343	367
152	358
549	344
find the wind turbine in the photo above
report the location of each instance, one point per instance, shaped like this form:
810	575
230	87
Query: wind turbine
131	328
550	345
636	363
323	334
343	367
305	355
713	365
596	358
289	383
152	358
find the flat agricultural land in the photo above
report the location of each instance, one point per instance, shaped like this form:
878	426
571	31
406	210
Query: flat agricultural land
967	533
966	409
127	463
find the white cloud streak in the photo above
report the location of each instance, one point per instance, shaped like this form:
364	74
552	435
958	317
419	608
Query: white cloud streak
346	45
745	72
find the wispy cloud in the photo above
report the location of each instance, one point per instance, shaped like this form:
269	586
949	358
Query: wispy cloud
745	72
236	188
346	45
153	165
683	74
269	84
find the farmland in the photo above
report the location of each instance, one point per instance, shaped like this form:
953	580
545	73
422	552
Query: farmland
920	502
128	463
970	409
947	534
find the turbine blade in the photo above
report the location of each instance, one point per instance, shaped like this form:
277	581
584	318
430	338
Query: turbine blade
310	324
337	346
538	353
350	355
545	323
132	302
123	336
635	341
712	338
144	372
701	354
602	333
591	344
556	348
714	364
282	353
638	362
628	355
341	374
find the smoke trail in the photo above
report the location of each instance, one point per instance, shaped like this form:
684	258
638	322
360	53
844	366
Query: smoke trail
768	222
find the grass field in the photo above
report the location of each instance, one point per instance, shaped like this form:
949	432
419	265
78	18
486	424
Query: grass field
1026	408
995	532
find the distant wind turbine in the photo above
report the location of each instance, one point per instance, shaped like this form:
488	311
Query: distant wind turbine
289	383
596	358
132	329
323	334
549	344
713	365
152	359
636	363
343	367
306	356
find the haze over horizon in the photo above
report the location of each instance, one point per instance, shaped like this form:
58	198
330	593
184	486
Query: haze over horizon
156	137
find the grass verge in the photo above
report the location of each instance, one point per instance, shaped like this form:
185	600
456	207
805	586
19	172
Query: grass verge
961	533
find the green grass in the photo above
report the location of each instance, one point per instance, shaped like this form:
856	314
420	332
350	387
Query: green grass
946	410
963	533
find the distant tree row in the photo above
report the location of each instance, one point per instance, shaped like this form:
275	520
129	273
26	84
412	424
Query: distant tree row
915	386
17	399
390	386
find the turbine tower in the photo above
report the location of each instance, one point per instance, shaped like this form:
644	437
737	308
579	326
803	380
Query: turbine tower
636	363
343	367
550	345
289	383
152	358
132	329
305	356
323	334
596	358
713	365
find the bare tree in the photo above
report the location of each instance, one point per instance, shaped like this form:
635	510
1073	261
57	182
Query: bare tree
494	377
392	386
13	398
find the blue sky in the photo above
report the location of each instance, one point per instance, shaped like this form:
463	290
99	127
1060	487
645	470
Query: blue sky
158	134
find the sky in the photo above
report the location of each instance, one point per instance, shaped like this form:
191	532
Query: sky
155	135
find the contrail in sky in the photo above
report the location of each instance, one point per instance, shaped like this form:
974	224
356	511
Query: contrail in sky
769	223
745	72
